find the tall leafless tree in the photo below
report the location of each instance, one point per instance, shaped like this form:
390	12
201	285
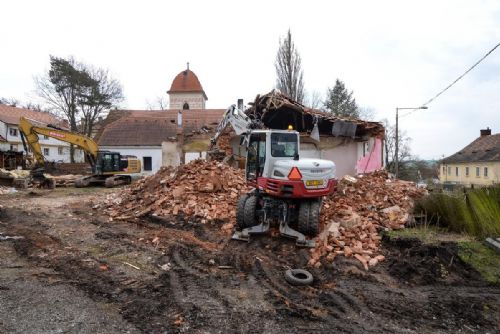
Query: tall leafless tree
404	151
288	69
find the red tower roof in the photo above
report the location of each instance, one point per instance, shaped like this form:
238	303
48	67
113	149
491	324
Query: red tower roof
186	82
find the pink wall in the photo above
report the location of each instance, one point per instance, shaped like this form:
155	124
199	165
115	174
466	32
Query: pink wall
372	160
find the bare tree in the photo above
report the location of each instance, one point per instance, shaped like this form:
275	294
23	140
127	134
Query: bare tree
366	113
404	151
12	102
314	100
159	104
288	69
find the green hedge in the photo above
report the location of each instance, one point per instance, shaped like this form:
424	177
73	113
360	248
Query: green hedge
476	211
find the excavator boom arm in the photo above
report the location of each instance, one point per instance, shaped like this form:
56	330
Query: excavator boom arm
32	131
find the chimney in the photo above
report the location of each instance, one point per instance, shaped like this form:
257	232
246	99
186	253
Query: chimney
240	104
485	132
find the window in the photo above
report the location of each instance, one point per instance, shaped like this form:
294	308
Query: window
147	162
449	170
467	171
13	147
13	132
284	145
477	172
185	106
60	150
444	170
256	156
456	171
485	171
46	151
46	137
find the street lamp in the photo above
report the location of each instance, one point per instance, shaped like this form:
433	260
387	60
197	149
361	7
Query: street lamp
396	167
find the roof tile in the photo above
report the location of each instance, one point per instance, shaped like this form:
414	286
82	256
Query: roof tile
151	128
11	115
485	148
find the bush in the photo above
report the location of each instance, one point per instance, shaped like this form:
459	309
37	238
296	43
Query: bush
476	211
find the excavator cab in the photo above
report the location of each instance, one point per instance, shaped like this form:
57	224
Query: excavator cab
107	162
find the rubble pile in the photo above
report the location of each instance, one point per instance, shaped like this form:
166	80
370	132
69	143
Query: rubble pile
204	189
354	215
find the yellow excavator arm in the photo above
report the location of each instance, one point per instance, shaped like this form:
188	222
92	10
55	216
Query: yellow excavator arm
32	131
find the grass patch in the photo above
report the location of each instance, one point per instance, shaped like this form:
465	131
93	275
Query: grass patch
430	234
482	258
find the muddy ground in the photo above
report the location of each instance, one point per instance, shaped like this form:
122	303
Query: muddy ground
74	271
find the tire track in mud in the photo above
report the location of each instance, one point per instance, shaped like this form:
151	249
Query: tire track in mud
198	294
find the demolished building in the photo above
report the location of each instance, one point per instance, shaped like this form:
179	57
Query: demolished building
356	146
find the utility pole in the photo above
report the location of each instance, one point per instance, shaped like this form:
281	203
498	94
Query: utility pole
396	149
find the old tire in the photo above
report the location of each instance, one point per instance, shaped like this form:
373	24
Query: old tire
240	212
250	217
298	277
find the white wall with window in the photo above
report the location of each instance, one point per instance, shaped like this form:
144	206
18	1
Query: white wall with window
151	155
52	149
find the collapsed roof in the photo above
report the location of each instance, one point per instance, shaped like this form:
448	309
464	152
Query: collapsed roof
277	111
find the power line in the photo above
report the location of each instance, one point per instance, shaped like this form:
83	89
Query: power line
456	80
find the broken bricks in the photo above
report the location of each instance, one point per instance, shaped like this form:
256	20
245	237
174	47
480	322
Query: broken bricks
363	207
202	189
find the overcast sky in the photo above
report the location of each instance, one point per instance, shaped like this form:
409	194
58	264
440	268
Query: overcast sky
390	53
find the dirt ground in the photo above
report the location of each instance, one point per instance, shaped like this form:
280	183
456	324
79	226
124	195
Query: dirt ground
75	271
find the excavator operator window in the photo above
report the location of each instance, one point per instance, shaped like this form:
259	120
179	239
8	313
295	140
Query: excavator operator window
256	156
284	145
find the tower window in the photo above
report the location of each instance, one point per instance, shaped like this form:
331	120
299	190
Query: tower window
185	106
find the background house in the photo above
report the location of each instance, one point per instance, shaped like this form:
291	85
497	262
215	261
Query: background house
164	137
10	137
476	164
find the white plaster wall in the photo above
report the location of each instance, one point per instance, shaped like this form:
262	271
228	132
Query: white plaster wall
195	100
344	157
140	152
170	154
190	156
308	150
3	129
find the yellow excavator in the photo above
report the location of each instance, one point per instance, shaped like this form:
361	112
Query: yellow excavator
108	168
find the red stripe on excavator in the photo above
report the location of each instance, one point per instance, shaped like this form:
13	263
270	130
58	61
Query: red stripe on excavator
293	189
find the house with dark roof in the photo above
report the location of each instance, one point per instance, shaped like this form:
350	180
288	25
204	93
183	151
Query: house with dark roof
476	164
164	137
10	137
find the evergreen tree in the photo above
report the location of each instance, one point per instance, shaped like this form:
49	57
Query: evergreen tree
340	102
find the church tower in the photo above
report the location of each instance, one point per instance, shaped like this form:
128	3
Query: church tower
186	91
